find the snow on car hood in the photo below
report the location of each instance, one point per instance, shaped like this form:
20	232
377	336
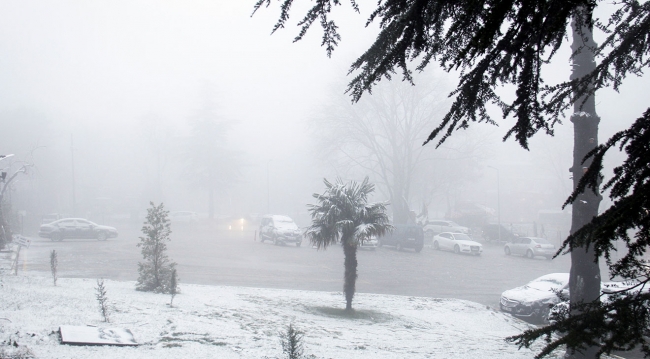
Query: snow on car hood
286	226
539	289
525	294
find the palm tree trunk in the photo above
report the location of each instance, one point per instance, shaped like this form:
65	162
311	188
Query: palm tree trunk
350	252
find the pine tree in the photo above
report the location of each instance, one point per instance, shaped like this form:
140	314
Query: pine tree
156	270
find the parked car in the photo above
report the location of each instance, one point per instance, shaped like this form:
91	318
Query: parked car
404	236
539	301
76	228
437	226
457	242
184	217
607	289
280	230
491	232
530	247
535	299
371	244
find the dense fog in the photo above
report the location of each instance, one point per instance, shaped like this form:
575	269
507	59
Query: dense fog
116	104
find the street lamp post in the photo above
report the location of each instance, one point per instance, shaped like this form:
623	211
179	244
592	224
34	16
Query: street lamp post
268	190
498	201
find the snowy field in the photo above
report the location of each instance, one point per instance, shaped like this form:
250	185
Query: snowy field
238	322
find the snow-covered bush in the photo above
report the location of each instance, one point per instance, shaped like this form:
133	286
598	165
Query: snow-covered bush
156	270
102	300
173	286
54	263
291	340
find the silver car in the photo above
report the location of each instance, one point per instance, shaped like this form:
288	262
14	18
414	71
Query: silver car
530	247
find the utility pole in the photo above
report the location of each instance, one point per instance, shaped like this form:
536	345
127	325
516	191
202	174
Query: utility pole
74	194
498	200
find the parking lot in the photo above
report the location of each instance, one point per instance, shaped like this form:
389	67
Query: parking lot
209	255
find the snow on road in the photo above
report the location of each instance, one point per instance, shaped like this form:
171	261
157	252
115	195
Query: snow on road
239	322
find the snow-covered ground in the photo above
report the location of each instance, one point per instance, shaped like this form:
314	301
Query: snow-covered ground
238	322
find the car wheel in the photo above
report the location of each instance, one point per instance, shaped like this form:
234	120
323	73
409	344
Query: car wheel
399	246
101	236
56	237
436	246
507	250
457	249
530	254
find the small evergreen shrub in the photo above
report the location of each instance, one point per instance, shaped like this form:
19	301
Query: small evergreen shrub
292	344
156	270
173	287
102	300
54	262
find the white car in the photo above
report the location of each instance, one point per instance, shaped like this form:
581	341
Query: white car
457	242
442	225
530	247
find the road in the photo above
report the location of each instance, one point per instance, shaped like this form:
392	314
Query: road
220	257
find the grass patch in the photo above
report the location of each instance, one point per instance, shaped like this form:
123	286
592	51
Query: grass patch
363	314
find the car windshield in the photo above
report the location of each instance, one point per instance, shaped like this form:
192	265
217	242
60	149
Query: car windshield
461	237
546	284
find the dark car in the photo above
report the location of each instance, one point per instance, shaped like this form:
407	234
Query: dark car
534	300
491	233
76	228
404	236
280	230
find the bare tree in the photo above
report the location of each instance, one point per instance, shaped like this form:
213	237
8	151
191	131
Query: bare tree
382	136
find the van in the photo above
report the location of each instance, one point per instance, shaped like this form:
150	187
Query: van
404	236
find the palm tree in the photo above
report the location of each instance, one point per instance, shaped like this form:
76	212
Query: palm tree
343	213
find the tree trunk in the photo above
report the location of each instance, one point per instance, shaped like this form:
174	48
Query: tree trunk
350	276
584	282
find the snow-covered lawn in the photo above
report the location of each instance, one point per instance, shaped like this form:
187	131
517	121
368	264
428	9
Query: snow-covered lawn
238	322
